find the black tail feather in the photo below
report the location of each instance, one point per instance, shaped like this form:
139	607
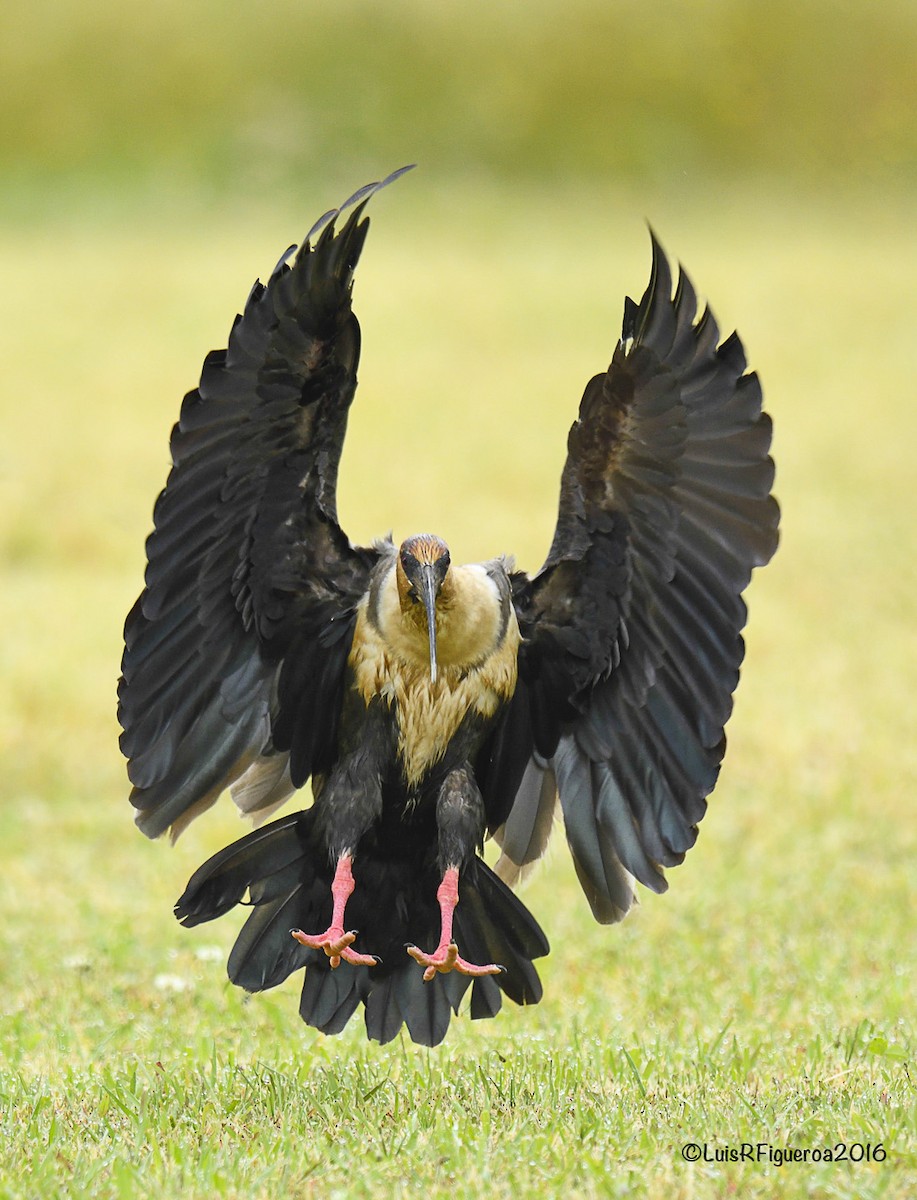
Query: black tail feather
255	861
424	1006
494	926
330	998
486	999
265	953
285	872
383	1013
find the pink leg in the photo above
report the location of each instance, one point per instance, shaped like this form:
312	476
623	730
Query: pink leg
446	956
334	941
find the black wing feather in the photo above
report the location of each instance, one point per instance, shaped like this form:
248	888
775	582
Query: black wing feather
632	643
247	565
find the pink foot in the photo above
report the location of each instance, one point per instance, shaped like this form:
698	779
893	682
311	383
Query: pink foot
334	941
446	957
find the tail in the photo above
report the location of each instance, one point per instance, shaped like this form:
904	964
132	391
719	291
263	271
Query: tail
285	871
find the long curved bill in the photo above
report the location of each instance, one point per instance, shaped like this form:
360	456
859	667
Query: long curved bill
429	588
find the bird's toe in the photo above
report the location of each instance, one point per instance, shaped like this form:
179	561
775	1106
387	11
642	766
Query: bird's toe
446	958
336	944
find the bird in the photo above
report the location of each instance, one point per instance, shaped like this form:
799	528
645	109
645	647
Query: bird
434	705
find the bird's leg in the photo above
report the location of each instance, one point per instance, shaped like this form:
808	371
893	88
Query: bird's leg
460	821
446	956
346	806
334	941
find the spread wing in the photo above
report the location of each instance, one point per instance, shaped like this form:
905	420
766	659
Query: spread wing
631	628
235	650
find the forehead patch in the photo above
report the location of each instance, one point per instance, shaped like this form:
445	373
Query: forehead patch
425	548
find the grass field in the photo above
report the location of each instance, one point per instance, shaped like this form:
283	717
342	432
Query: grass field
768	998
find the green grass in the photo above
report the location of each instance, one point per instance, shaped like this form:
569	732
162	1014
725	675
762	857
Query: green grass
767	998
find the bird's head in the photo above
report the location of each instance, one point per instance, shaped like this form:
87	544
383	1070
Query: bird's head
421	571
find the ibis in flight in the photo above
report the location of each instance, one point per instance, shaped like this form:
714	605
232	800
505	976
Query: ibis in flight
432	704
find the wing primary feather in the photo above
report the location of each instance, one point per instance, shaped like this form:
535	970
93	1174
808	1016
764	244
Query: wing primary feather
632	627
246	560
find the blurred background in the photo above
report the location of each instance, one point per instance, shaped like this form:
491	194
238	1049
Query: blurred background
155	159
241	99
